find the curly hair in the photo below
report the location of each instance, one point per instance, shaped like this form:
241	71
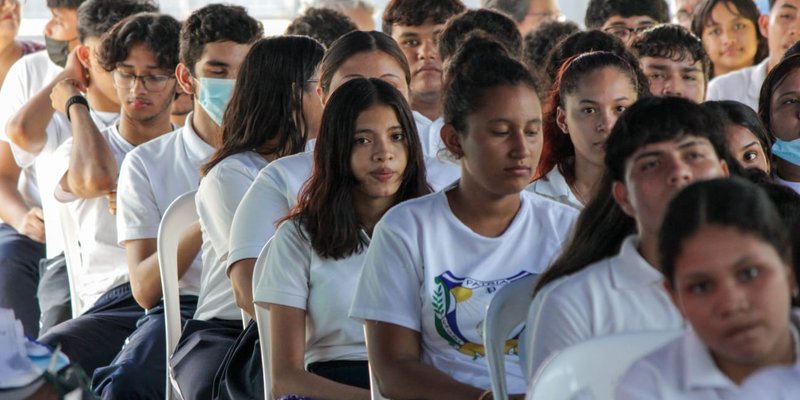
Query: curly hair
599	11
216	23
96	17
539	43
515	9
493	23
321	24
159	32
416	12
673	42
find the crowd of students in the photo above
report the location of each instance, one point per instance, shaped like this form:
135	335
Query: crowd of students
392	182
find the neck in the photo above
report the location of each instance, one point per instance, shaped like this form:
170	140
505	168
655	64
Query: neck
487	214
587	175
648	248
99	102
787	171
369	210
782	354
206	128
428	105
10	52
178	119
137	132
720	70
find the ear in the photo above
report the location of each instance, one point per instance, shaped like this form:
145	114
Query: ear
321	94
184	79
673	295
82	52
763	25
620	193
561	120
451	140
724	166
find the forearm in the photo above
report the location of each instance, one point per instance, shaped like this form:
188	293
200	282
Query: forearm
92	166
411	379
241	276
188	247
145	279
286	381
26	128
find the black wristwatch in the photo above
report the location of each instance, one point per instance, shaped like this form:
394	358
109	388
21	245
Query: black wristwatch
77	99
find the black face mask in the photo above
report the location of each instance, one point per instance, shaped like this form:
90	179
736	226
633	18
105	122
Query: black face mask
57	50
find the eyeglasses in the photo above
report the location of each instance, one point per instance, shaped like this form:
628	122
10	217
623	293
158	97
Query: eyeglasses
152	83
625	33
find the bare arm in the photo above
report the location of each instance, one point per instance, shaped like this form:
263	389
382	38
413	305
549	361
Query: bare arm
28	222
92	166
287	344
241	276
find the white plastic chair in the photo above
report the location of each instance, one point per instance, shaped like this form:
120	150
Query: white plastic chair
179	215
527	346
72	255
374	390
505	312
262	321
590	369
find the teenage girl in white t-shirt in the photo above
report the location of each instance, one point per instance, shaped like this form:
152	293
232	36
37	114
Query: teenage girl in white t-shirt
589	93
435	262
725	255
368	159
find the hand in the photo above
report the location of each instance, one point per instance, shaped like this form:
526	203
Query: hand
112	202
62	91
74	69
32	225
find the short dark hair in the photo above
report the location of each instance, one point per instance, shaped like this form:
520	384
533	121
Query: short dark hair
775	77
745	8
96	17
416	12
481	63
673	42
216	23
493	23
68	4
321	24
516	9
539	43
358	42
733	112
658	119
159	32
599	11
325	205
726	202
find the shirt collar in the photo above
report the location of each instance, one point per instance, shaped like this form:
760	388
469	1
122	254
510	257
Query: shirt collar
758	73
554	186
699	370
630	270
199	151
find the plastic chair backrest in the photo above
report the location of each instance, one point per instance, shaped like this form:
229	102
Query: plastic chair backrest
72	255
590	369
528	357
179	215
375	392
506	311
262	321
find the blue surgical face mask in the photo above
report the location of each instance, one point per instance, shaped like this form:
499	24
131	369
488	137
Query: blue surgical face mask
214	96
789	151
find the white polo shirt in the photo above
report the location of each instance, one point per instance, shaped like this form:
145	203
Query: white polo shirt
152	176
429	134
775	383
296	276
103	261
274	192
217	198
427	271
555	187
615	295
743	85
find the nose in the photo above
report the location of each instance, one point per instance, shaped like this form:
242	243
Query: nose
383	150
520	145
680	174
428	50
138	85
48	28
730	299
605	121
672	87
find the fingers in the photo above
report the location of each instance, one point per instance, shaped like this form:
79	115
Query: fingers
112	202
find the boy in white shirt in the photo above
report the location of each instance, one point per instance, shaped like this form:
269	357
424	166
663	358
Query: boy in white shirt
141	52
611	283
625	19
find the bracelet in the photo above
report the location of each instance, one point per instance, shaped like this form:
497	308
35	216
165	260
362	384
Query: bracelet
77	99
487	395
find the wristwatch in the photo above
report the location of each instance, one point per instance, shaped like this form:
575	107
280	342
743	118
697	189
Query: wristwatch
77	99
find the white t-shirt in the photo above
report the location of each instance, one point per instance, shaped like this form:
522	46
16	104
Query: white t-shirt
429	136
296	276
152	176
554	186
776	383
103	261
743	85
615	295
217	198
427	271
275	191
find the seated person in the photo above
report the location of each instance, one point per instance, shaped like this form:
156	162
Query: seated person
625	19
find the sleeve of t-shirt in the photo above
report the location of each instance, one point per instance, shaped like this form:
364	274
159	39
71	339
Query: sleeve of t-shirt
217	198
264	203
60	167
640	382
138	216
390	283
13	94
560	323
287	276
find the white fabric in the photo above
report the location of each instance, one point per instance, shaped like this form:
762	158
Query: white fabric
103	262
429	136
219	195
791	185
615	295
296	276
152	176
427	271
274	193
743	85
776	383
555	187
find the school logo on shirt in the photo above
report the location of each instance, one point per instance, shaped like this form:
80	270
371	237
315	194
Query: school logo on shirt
459	306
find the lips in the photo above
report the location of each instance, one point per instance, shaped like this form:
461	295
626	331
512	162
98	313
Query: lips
741	330
428	68
520	171
383	174
138	102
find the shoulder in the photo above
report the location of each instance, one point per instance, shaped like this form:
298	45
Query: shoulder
545	209
154	149
409	212
652	374
246	163
732	80
594	277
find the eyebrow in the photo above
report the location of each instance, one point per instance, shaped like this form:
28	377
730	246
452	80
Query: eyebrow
754	143
792	6
124	65
687	143
507	121
217	63
406	34
590	101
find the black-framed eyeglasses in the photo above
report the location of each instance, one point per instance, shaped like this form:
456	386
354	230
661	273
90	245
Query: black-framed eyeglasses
153	83
624	33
